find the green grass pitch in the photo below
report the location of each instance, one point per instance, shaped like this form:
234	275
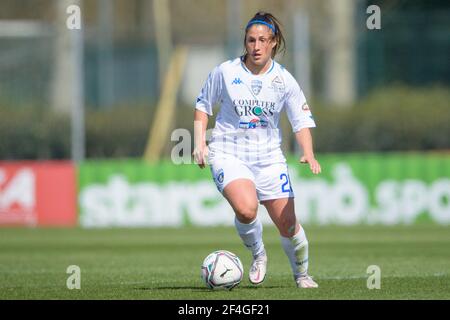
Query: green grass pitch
164	263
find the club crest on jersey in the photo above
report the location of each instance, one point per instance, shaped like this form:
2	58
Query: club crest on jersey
256	86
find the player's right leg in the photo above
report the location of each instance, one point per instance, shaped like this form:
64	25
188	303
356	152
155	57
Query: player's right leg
241	194
236	183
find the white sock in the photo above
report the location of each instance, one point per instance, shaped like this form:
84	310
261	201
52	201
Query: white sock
296	248
251	235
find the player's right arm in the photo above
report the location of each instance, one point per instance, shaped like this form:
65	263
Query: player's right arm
208	97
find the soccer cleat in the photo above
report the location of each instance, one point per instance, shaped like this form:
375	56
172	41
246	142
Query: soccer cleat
258	269
306	281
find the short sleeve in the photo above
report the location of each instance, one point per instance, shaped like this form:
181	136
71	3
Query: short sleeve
211	92
297	109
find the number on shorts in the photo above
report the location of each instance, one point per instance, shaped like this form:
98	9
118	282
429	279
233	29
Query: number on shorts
286	183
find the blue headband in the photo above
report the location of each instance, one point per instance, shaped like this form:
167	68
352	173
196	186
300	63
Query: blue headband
261	22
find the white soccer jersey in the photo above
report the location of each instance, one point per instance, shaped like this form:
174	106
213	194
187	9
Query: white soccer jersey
247	124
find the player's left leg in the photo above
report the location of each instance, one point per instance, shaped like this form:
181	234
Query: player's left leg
276	194
293	238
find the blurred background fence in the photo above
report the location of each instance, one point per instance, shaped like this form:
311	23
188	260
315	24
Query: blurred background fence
93	94
370	90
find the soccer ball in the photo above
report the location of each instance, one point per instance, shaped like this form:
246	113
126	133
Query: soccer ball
222	270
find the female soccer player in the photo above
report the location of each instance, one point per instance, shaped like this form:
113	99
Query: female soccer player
244	152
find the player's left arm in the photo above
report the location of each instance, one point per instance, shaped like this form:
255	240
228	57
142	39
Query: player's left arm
301	119
304	140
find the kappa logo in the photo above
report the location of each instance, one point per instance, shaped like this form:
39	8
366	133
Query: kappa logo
237	81
256	86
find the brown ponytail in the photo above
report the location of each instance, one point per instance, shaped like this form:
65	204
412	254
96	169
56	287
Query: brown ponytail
274	25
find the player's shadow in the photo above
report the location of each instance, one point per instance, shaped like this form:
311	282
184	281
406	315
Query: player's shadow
251	287
169	288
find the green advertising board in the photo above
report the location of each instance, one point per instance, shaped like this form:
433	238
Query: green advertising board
392	188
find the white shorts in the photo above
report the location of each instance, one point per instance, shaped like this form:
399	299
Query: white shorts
271	180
